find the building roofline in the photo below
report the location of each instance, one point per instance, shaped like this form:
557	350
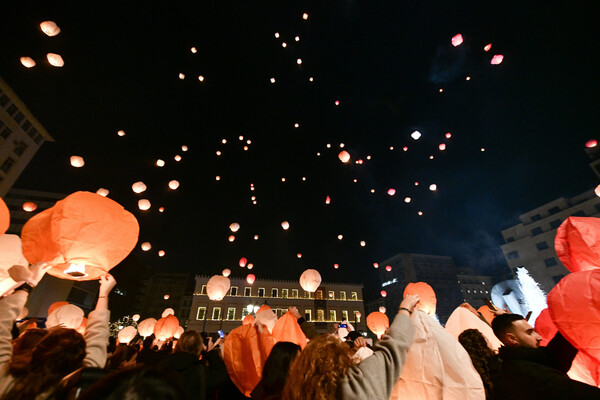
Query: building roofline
289	281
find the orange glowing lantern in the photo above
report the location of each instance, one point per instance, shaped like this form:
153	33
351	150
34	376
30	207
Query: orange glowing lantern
121	133
442	146
248	320
69	316
161	253
243	262
50	28
487	47
286	329
497	59
161	209
428	301
138	187
391	192
285	225
144	204
382	309
250	266
577	243
591	143
310	280
173	185
181	76
383	293
363	243
305	16
217	287
77	161
327	200
448	135
102	192
4	217
166	327
178	333
85	235
184	148
146	327
167	311
344	156
457	40
375	265
231	238
27	62
415	135
545	327
136	317
56	305
29	206
127	334
407	199
160	163
388	268
10	255
336	266
250	279
378	323
433	187
166	297
487	314
177	158
234	227
226	272
55	60
146	246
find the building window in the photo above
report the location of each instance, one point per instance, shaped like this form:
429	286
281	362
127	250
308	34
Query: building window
550	262
557	278
306	295
541	246
261	292
244	312
294	293
12	109
26	125
555	224
19	117
248	292
536	231
332	316
203	291
234	290
513	255
536	217
7	164
3	100
19	148
5	132
320	315
273	292
353	296
308	315
230	313
284	293
357	316
554	210
331	295
345	315
342	295
319	294
216	315
201	314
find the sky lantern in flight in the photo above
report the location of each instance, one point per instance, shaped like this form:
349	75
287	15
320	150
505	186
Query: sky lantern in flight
428	301
231	238
234	227
327	200
255	237
388	268
363	243
50	28
305	16
177	158
250	266
448	135
344	156
201	78
173	185
55	60
27	62
184	148
497	59
181	76
487	47
167	311
136	317
217	287
591	143
226	272
457	40
383	293
243	261
160	163
77	161
391	191
285	225
296	125
272	80
166	297
299	61
121	132
433	187
144	204
161	209
29	206
415	135
407	199
340	237
250	278
375	265
299	255
146	246
166	327
84	234
336	266
161	253
127	334
194	50
138	187
442	146
146	327
310	280
102	192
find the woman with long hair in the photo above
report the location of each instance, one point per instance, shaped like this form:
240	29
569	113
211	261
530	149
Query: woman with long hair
325	369
275	371
482	357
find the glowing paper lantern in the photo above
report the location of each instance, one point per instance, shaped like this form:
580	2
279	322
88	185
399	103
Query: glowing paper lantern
161	253
10	254
127	334
428	301
146	327
577	243
591	143
177	158
234	227
144	204
442	147
462	319
382	309
226	272
173	185
77	161
545	327
391	192
181	76
146	246
50	28
166	327
305	16
383	293
327	200
378	323
69	316
457	40
184	148
121	133
487	47
160	163
497	59
231	238
299	61
250	279
27	62
178	333
167	311
29	206
433	187
336	266
487	314
138	187
363	243
415	135
344	156
285	225
83	230
375	265
136	317
310	280
217	287
248	320
287	330
166	297
55	60
407	199
388	268
161	209
243	261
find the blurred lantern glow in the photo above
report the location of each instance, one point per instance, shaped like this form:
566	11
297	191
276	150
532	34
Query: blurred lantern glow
284	44
29	206
121	132
415	135
483	149
255	237
340	237
27	62
433	187
184	148
487	47
336	266
457	40
217	178
405	148
102	192
373	191
178	332
138	187
250	279
376	265
296	125
161	209
388	268
200	78
161	253
181	76
50	28
497	59
597	190
310	280
231	238
337	102
383	293
391	192
378	323
245	148
144	204
146	246
127	334
160	163
311	79
328	145
407	199
250	266
272	80
448	135
218	152
177	158
194	50
226	272
363	243
305	16
173	185
77	161
276	35
146	327
327	200
591	143
217	287
382	309
55	60
420	213
344	156
243	261
297	38
468	78
136	317
285	225
416	183
299	61
442	146
167	311
299	255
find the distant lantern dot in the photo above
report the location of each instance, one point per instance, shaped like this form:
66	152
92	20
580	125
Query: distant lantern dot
359	161
253	198
442	146
160	163
218	178
391	192
355	180
161	253
468	78
231	238
342	145
27	62
284	44
416	183
181	76
282	179
240	138
297	38
161	209
121	133
363	243
448	135
184	148
272	80
303	178
336	266
441	90
311	79
299	255
255	237
285	225
245	148
318	154
102	192
224	141
407	199
405	148
483	149
375	265
415	135
487	47
337	102
299	61
388	268
420	213
276	35
372	190
392	148
368	157
305	16
200	78
340	237
433	187
296	125
77	161
194	50
218	152
177	158
431	157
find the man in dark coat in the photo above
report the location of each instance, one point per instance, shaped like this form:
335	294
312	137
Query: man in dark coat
528	371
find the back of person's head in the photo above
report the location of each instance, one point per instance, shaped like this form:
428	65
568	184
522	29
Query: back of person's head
476	345
147	343
503	323
112	344
275	371
136	384
22	350
317	371
190	342
123	354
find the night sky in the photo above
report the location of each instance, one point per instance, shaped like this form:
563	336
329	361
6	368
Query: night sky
384	61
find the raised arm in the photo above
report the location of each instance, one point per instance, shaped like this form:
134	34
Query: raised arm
97	331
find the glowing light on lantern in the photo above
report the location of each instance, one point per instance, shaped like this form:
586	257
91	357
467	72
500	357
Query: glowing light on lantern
415	135
166	297
337	103
457	40
344	156
310	280
218	152
161	209
138	187
407	199
378	322
146	246
177	158
382	309
173	185
420	213
305	16
363	243
226	272
127	334
336	266
136	317
272	80
217	287
296	125
121	132
448	135
250	266
102	192
383	293
27	62
311	79
487	47
184	148
497	59
161	253
299	61
194	50
181	76
29	206
77	161
217	178
391	192
146	327
201	78
375	265
250	278
327	200
55	60
340	237
243	262
591	143
284	44
276	35
405	148
285	225
50	28
388	268
297	38
144	204
76	270
468	78
442	147
433	187
231	238
160	163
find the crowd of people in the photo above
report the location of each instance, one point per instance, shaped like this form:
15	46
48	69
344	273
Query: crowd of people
61	363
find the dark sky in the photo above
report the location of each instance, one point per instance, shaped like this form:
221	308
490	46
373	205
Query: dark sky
385	61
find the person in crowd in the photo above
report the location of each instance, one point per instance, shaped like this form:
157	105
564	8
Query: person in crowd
148	355
200	379
528	371
325	368
123	357
22	350
58	353
483	358
275	371
307	328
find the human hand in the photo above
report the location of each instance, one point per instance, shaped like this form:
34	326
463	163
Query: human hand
294	312
19	273
360	342
498	311
107	283
470	308
38	270
409	302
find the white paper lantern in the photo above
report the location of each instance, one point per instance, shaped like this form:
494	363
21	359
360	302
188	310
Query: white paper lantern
144	204
178	333
68	316
285	225
55	60
50	28
344	156
173	185
168	311
146	246
234	227
146	327
310	280
102	192
127	334
77	161
136	317
382	309
226	272
27	62
160	163
217	287
138	187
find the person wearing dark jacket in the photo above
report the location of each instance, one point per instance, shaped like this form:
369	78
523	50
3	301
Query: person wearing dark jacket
200	379
528	371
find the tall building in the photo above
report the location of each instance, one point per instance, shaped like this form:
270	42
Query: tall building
331	302
530	243
21	135
437	271
473	287
15	198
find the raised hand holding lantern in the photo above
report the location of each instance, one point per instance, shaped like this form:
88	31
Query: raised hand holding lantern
425	292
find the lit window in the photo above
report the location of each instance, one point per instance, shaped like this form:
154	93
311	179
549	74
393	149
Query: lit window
332	316
284	293
345	315
273	292
320	315
353	296
230	313
216	314
294	293
261	292
201	314
248	291
342	295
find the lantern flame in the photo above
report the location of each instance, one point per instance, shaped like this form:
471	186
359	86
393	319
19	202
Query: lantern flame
76	270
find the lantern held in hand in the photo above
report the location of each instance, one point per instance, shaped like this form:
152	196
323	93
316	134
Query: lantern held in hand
378	323
428	301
